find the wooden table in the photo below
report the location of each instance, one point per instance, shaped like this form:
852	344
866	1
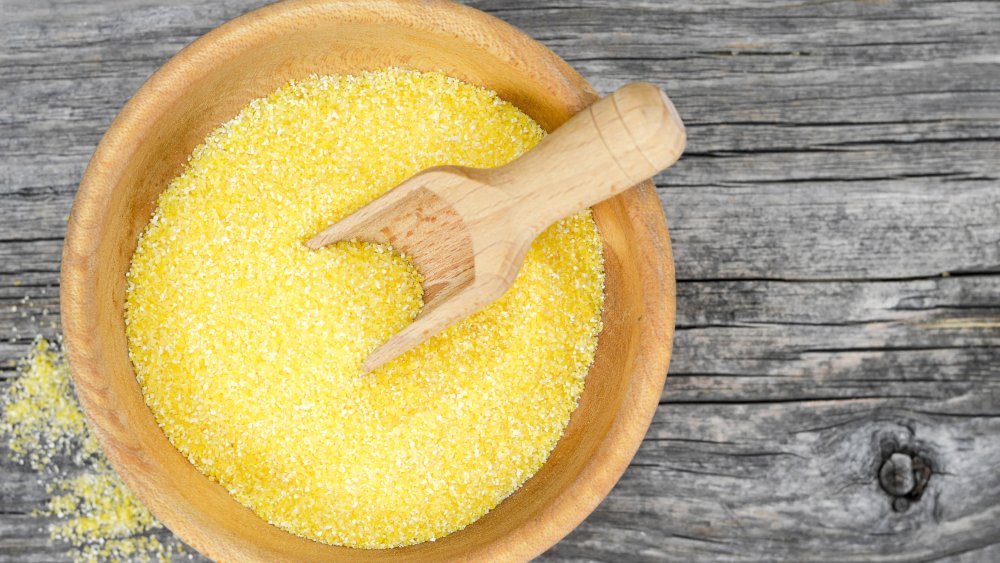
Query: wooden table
836	225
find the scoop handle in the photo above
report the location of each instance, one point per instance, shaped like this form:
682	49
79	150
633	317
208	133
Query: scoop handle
615	143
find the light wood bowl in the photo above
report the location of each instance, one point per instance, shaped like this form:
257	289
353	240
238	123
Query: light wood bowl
208	83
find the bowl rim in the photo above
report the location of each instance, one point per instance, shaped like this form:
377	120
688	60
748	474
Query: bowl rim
78	270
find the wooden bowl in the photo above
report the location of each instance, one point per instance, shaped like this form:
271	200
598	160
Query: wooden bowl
208	83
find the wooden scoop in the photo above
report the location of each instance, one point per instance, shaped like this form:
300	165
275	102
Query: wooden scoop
467	229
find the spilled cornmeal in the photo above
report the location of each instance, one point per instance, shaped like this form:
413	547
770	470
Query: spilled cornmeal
249	346
89	508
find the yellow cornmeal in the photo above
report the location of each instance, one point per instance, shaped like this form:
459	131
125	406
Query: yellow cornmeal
89	508
248	346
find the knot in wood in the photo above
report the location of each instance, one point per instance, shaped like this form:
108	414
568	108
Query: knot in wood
897	476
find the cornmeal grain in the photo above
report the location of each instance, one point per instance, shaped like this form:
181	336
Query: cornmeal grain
248	346
89	508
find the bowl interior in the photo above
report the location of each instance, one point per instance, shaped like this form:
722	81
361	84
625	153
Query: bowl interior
209	83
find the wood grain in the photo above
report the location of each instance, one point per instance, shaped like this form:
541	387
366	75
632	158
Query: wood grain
842	155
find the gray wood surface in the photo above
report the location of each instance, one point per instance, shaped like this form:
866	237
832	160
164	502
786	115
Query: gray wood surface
836	225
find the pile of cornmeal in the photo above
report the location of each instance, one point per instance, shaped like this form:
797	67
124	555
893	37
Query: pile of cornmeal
248	346
88	508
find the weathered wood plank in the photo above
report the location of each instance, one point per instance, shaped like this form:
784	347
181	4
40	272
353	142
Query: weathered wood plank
818	142
726	488
843	155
